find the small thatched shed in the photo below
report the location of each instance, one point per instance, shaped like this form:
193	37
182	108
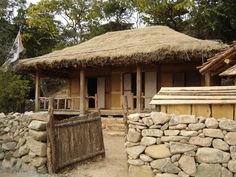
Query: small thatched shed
222	64
134	62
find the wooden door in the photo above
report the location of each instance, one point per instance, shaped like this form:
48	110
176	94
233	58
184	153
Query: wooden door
127	87
101	92
150	87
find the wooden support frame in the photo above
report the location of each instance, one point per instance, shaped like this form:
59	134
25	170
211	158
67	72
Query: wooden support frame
37	91
208	79
82	92
139	88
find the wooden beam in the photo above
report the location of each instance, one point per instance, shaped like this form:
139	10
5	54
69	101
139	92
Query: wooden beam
82	92
139	88
208	79
37	91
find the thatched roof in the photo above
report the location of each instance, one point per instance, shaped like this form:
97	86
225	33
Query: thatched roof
146	45
220	62
229	72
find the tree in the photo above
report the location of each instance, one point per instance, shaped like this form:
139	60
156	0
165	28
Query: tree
13	92
8	29
213	19
172	13
107	16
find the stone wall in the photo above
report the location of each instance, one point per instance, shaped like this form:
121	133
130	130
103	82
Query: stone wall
164	145
23	142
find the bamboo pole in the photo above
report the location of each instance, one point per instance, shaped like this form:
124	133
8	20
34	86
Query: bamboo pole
82	92
37	91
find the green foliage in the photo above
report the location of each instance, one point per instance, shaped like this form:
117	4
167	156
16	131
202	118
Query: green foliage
13	92
164	12
206	19
213	19
107	16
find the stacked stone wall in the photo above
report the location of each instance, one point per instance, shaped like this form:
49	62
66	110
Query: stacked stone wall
165	145
23	142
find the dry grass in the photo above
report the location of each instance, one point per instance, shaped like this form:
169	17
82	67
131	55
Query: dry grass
151	44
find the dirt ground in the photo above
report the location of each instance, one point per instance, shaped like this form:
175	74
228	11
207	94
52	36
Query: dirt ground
113	165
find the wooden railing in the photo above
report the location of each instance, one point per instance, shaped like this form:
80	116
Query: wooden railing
65	103
95	98
133	97
60	103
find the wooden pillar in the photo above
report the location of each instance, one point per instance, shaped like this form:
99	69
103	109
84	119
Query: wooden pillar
37	91
121	88
82	92
208	79
234	80
139	88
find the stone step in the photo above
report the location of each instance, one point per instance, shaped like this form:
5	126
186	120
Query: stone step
114	133
116	127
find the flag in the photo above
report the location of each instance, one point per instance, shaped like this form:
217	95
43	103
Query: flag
16	49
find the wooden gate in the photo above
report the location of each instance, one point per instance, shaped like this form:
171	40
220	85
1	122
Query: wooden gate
74	139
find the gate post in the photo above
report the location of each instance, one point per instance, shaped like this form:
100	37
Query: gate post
50	139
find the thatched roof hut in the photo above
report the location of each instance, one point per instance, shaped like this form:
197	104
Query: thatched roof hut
157	44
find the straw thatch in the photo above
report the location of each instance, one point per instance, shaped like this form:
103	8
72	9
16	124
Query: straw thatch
229	72
147	45
220	62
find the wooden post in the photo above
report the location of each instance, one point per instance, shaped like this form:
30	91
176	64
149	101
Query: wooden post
131	101
139	88
96	103
82	92
121	88
37	91
51	153
234	80
208	79
125	113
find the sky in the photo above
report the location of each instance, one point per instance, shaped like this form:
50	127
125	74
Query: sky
32	1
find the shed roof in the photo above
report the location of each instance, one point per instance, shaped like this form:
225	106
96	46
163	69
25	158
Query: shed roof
146	45
195	95
220	62
229	72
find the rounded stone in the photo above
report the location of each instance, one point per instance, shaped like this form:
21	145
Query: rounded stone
230	138
145	158
187	164
232	166
211	155
228	125
211	123
158	151
220	144
147	141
